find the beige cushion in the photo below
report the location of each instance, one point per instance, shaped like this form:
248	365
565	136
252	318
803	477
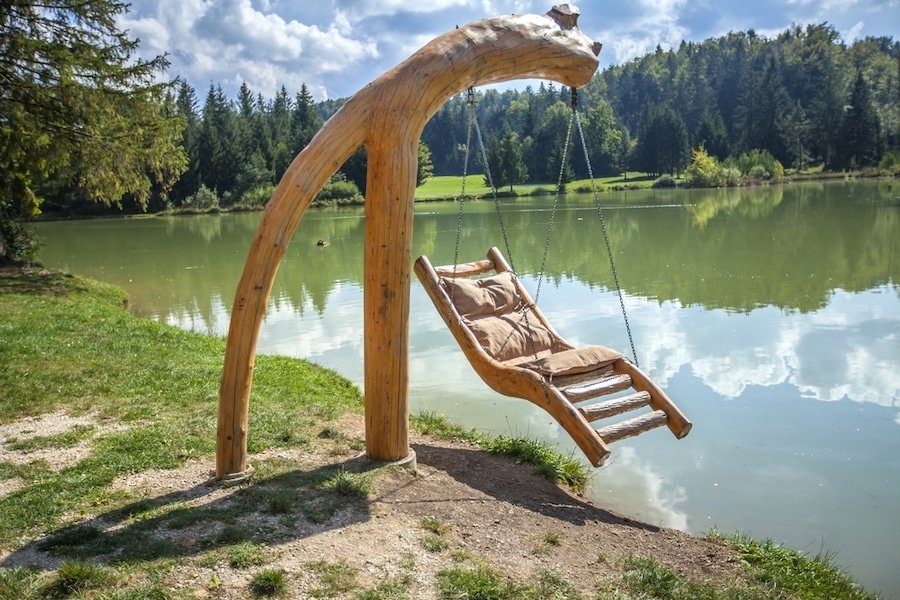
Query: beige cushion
506	337
571	362
488	307
488	296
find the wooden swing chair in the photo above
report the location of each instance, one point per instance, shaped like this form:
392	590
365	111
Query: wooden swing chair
517	352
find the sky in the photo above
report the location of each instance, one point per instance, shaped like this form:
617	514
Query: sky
336	47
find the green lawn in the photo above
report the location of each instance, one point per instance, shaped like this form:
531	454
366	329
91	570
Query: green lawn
450	186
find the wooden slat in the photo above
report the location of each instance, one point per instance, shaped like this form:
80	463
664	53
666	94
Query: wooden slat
600	387
609	408
465	269
678	423
623	429
565	381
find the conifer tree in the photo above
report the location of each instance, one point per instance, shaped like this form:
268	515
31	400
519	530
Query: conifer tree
858	141
77	108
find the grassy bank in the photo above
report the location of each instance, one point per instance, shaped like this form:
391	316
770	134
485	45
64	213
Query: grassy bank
138	401
450	186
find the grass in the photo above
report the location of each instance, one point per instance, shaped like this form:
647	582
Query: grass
67	439
774	573
67	342
486	583
245	555
546	543
436	540
552	464
269	582
334	578
353	485
434	525
450	186
75	577
779	568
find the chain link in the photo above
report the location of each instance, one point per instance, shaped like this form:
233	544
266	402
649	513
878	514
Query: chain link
461	199
609	252
559	187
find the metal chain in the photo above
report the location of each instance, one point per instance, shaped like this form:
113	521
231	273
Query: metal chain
490	179
559	187
461	199
499	211
609	252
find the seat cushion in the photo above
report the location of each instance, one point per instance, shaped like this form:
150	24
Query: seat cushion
574	361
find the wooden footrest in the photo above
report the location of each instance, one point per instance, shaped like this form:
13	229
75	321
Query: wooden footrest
618	431
609	408
600	387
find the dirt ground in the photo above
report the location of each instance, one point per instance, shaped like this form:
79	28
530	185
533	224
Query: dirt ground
494	509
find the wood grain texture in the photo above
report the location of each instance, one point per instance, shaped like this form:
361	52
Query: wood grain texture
387	117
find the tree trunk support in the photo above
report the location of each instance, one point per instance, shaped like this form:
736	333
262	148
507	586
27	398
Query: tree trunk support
387	117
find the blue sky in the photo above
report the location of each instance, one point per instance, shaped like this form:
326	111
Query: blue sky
337	46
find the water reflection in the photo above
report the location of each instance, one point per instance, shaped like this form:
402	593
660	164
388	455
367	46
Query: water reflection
771	315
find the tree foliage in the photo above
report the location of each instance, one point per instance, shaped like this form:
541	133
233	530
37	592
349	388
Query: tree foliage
858	139
78	110
77	107
662	142
505	158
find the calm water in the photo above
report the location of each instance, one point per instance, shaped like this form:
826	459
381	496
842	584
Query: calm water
771	315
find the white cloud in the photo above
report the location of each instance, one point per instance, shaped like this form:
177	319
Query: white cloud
358	10
631	485
651	23
336	47
854	33
227	41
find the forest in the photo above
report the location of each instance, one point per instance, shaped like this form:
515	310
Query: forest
741	103
804	98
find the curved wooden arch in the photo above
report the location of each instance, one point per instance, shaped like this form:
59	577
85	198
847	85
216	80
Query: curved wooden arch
387	117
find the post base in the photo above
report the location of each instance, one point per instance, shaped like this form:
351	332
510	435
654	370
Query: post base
234	478
364	463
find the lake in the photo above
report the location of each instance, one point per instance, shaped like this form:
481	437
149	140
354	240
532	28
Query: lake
771	315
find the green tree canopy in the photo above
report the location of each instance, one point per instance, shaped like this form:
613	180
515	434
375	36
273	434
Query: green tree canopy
662	142
505	158
77	108
859	143
424	168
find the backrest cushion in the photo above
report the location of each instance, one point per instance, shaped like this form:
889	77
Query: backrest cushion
489	296
511	335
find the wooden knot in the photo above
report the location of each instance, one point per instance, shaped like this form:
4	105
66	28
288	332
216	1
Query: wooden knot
566	15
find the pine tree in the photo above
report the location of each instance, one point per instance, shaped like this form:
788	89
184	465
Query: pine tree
859	143
186	108
763	119
305	121
78	109
662	145
712	135
219	159
424	167
506	162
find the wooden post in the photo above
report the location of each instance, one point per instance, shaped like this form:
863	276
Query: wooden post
388	117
